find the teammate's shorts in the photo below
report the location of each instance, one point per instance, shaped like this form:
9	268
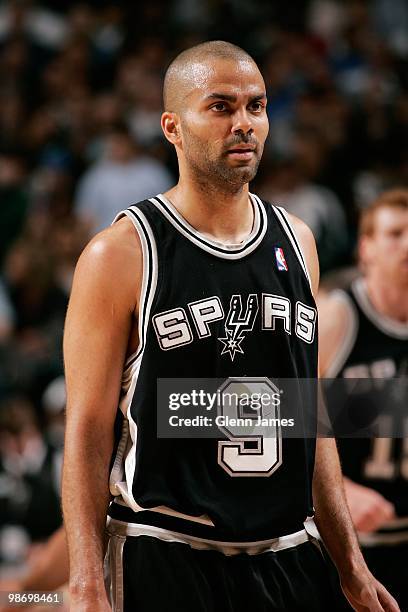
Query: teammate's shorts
155	569
389	564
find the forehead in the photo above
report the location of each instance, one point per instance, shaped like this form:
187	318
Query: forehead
389	218
232	77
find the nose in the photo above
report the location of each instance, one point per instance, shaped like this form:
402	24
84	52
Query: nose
241	122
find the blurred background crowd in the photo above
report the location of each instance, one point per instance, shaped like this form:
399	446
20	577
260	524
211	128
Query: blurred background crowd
80	139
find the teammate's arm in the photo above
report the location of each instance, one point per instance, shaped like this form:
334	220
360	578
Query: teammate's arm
100	313
369	509
51	569
49	572
332	516
334	523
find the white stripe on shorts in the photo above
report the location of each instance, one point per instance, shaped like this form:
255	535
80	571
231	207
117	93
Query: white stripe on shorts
113	571
117	528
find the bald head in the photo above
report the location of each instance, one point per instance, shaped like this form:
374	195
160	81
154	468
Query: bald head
191	66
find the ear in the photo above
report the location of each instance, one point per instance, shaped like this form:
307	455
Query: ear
171	127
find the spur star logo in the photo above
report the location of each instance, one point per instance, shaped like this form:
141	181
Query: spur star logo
238	324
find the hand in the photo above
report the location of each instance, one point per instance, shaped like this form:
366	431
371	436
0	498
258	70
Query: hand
366	594
369	509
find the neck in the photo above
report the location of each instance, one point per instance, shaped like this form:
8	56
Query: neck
225	216
389	300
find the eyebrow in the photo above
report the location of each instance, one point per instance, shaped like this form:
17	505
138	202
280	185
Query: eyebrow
231	98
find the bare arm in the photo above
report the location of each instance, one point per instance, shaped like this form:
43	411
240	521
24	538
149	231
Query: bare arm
98	324
332	515
369	509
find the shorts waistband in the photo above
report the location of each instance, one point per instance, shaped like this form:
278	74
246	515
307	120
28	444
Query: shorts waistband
291	540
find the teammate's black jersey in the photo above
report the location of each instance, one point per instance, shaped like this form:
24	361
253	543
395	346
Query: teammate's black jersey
210	310
377	348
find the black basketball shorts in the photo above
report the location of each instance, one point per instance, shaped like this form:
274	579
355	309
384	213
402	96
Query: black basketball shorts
158	570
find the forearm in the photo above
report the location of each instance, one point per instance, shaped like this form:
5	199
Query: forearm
332	515
85	498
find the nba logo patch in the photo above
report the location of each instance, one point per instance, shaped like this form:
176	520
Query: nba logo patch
280	259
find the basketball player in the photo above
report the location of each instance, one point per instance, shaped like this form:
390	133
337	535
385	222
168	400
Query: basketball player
364	334
204	281
49	572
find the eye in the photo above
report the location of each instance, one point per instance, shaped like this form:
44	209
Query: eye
397	233
219	107
256	106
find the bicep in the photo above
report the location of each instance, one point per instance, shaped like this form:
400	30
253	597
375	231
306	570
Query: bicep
95	339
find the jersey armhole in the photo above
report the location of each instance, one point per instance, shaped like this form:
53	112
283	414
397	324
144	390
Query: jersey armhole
149	280
289	230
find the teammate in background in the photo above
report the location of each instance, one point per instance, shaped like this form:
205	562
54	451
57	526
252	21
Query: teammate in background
205	281
364	334
50	572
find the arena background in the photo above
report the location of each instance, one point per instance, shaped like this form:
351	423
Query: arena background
80	139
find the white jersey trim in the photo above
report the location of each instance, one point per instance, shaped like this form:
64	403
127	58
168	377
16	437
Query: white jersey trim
203	519
133	363
350	335
288	228
219	249
114	575
121	528
388	326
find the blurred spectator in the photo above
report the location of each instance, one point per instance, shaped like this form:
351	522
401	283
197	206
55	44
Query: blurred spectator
54	400
326	19
12	116
29	474
123	177
13	198
34	356
36	22
144	120
392	24
7	315
317	206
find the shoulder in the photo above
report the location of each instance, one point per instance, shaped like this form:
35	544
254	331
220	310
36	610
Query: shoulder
335	306
113	245
337	330
112	261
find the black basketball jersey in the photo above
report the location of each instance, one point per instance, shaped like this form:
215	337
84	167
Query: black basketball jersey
210	310
376	348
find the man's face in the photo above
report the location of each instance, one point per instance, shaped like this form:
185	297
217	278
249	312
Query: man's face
119	148
224	123
386	250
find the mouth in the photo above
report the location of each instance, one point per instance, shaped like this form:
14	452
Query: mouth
241	152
